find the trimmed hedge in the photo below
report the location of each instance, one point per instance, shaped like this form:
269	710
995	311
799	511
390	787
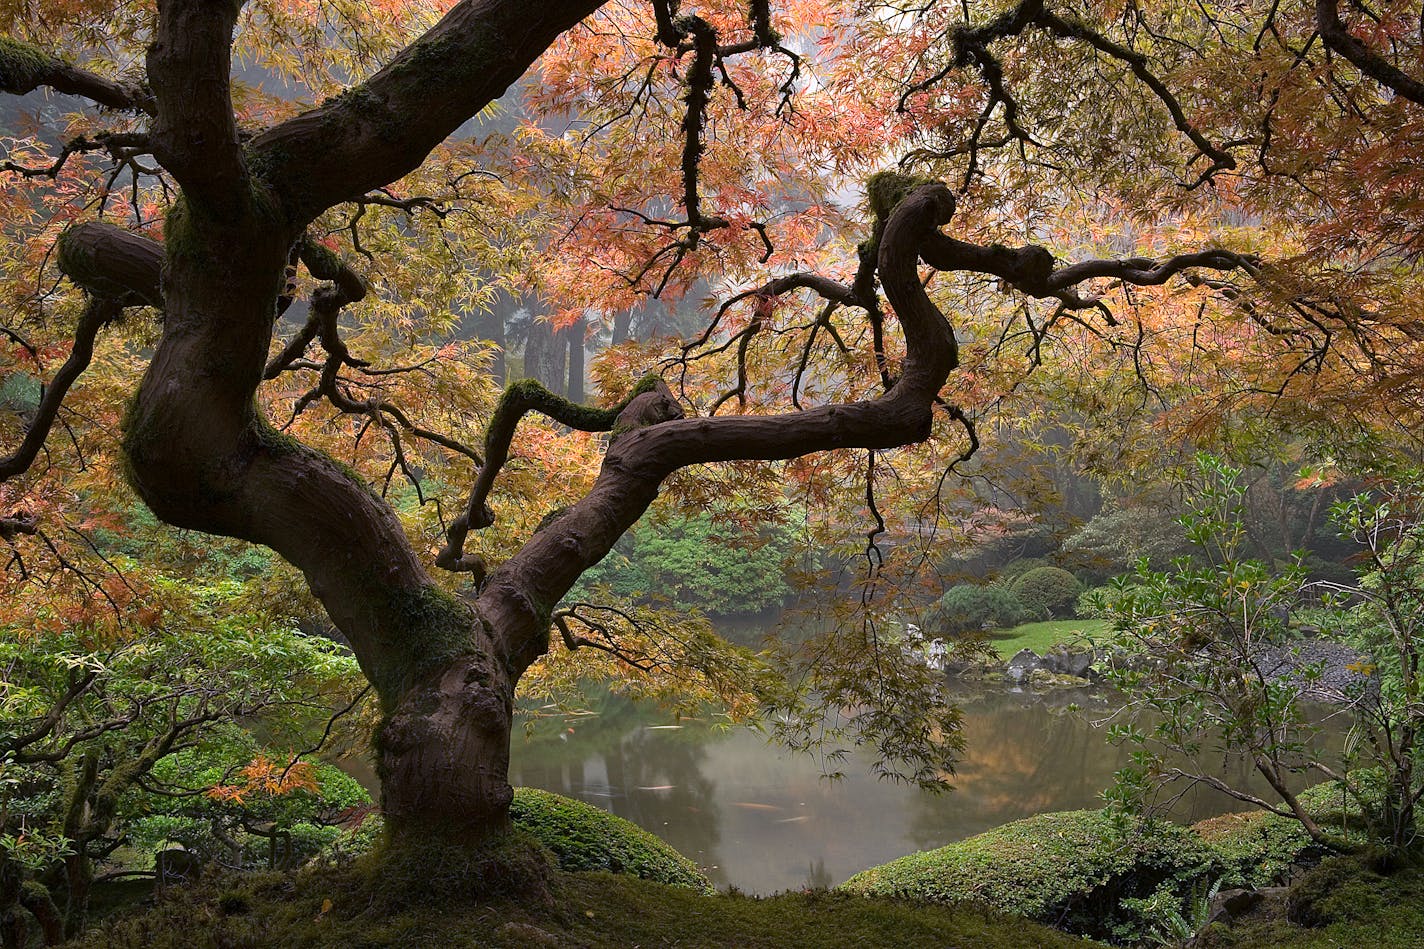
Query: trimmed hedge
968	608
1071	869
1047	592
583	837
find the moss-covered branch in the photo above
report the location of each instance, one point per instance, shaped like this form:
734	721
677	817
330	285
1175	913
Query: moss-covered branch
25	68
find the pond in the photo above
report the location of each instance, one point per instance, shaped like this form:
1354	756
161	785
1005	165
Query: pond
759	818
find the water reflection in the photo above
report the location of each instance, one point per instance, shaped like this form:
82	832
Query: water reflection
763	820
622	760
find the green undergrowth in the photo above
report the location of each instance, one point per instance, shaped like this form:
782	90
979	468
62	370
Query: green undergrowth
1256	848
1040	637
1128	881
332	906
1343	902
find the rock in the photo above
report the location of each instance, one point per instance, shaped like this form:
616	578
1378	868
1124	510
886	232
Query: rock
1070	662
1226	907
1024	662
176	865
527	934
1045	679
1229	906
1237	902
960	667
973	666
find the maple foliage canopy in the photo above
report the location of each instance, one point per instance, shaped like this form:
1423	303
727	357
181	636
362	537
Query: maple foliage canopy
242	242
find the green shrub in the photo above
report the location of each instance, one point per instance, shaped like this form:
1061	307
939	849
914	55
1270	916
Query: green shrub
1046	592
1257	848
1073	869
218	830
1097	602
582	837
967	608
1014	569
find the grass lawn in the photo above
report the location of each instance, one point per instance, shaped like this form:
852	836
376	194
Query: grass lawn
1040	636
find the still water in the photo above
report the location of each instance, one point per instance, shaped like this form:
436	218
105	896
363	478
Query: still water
759	818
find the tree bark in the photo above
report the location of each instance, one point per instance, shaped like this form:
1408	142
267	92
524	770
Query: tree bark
578	334
557	352
622	324
490	326
443	753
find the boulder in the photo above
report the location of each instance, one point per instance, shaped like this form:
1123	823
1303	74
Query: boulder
176	865
1024	662
1069	662
1237	902
1044	679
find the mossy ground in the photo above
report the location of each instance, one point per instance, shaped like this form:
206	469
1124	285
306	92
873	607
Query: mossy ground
1343	902
1080	870
339	907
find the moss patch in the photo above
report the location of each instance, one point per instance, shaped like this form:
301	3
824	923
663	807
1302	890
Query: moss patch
439	628
1071	868
1256	848
886	189
1343	902
434	873
22	66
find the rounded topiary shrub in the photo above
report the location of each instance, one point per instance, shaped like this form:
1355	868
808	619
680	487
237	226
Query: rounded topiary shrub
1048	591
1014	569
1072	869
582	837
967	608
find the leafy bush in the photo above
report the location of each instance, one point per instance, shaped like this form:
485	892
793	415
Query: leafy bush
1124	533
582	837
105	728
967	608
1257	848
1048	591
1095	603
1014	569
263	816
1073	869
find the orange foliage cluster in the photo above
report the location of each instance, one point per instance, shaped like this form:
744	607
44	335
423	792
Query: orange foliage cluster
263	777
